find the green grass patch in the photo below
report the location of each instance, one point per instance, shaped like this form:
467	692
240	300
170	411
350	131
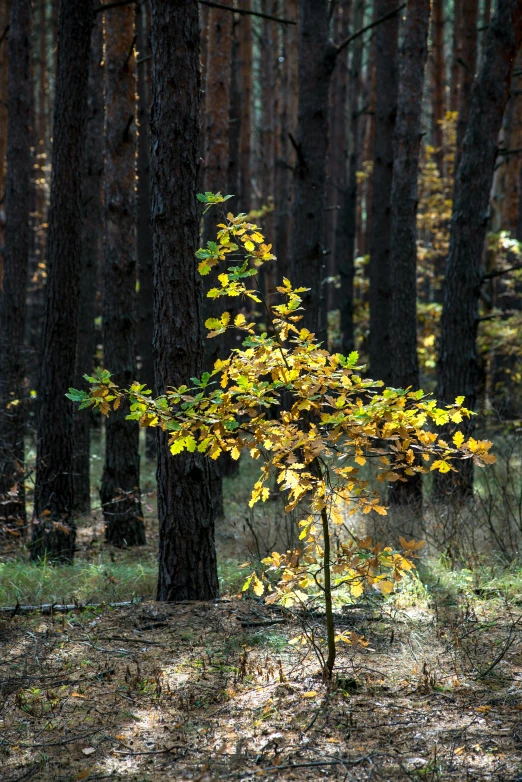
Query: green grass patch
82	582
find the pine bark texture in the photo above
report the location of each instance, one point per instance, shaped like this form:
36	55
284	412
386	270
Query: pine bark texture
4	70
456	50
187	556
386	72
217	105
346	238
91	266
245	139
143	227
403	240
403	237
316	63
467	64
458	364
438	72
120	493
337	171
14	282
268	138
287	127
54	530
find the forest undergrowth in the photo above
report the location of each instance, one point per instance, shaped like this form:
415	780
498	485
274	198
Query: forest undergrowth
211	691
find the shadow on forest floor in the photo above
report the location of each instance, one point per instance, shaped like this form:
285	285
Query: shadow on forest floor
214	691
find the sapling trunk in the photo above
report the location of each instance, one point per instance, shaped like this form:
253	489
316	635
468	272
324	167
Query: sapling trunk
330	629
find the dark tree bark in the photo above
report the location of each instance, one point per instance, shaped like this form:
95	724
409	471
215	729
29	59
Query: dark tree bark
14	281
54	531
458	365
386	73
4	70
287	125
234	117
456	67
316	62
347	220
187	556
337	166
269	57
403	241
438	72
120	493
217	106
245	140
91	257
143	227
468	64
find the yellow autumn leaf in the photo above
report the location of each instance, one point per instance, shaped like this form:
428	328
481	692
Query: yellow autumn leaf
458	439
235	453
384	586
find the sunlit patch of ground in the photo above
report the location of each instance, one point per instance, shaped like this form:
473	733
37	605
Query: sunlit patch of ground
213	691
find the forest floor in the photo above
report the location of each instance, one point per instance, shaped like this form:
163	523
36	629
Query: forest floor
215	691
212	691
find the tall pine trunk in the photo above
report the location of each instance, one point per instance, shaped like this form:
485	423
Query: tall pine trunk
287	126
403	241
386	73
316	62
4	70
143	227
54	531
246	85
346	235
120	492
14	282
91	255
187	556
438	73
458	364
468	64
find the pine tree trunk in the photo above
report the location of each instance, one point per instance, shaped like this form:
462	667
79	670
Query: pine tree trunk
187	556
120	493
245	140
217	106
468	64
338	150
346	236
386	73
287	126
268	138
458	364
14	282
316	63
54	531
403	240
91	266
456	54
143	227
4	70
438	79
234	117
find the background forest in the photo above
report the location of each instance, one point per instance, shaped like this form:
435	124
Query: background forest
373	152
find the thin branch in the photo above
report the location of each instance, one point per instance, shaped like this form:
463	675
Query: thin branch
4	34
347	41
245	12
116	4
492	275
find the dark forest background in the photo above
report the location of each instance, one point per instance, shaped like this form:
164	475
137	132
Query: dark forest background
378	145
